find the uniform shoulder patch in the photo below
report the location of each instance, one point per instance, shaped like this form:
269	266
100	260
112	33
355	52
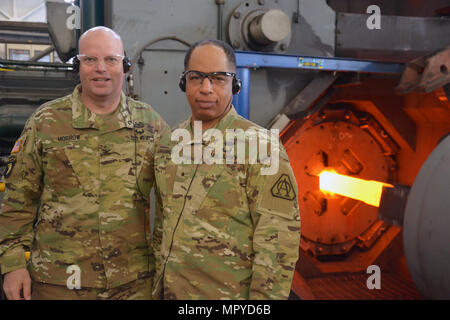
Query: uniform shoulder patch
9	166
283	188
17	146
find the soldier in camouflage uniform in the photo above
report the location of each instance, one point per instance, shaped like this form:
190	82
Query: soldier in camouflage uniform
225	230
77	188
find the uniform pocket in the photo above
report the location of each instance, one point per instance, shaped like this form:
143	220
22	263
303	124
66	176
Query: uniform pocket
59	171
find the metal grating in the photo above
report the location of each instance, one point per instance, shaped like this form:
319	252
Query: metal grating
353	287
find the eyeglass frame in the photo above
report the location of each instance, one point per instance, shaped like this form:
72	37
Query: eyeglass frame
208	75
81	55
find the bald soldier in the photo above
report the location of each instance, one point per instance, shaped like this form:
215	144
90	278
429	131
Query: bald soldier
228	229
77	186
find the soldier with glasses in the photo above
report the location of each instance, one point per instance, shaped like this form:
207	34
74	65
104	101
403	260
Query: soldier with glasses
77	188
223	232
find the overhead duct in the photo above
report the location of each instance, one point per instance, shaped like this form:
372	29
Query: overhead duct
64	38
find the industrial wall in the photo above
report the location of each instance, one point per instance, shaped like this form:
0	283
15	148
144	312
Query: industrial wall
156	82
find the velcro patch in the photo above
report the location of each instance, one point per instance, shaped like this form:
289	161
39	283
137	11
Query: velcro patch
10	166
17	146
283	188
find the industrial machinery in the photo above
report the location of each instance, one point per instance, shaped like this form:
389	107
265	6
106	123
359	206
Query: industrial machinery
363	110
366	131
25	85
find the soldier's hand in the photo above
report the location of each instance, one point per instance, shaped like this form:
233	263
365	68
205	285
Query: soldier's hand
14	282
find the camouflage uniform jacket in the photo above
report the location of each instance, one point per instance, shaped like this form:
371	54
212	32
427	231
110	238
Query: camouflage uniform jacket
225	231
77	187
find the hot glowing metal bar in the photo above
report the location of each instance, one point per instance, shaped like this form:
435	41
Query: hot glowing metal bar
368	191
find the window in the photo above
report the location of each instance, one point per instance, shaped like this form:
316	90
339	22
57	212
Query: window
19	54
44	58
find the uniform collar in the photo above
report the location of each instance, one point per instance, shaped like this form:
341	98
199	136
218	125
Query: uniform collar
83	118
222	125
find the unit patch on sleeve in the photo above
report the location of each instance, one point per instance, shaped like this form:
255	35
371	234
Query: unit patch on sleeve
283	188
9	166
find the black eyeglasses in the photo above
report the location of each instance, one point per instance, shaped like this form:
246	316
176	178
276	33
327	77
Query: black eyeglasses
219	78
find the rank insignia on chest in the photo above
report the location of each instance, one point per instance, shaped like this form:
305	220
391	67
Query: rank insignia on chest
17	146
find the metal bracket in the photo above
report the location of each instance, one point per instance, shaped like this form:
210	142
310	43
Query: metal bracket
426	73
238	27
310	94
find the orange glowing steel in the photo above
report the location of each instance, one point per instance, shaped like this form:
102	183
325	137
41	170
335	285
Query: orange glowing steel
368	191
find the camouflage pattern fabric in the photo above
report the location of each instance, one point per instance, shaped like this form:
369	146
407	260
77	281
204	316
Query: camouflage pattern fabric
223	232
135	290
77	187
